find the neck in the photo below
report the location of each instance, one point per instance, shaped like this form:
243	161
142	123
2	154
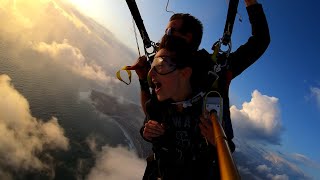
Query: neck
183	93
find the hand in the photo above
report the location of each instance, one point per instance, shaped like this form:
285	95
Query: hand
206	129
153	129
141	67
250	2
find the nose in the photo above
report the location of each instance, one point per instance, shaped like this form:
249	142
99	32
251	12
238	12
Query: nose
152	72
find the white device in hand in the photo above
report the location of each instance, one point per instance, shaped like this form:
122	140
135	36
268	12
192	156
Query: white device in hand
214	104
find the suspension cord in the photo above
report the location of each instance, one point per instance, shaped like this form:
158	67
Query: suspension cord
167	7
135	33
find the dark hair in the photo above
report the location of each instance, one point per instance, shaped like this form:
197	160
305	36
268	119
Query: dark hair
181	49
192	25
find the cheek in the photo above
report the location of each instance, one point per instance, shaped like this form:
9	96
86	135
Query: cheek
170	83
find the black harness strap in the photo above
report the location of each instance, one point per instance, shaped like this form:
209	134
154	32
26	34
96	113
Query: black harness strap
143	32
232	12
226	39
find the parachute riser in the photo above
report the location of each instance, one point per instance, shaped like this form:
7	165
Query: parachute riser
226	39
149	46
232	12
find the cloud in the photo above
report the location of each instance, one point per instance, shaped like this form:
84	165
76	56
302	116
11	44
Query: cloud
300	158
25	15
315	92
55	20
23	137
58	32
243	170
278	177
263	168
14	17
285	165
114	163
258	119
72	58
70	16
19	20
256	161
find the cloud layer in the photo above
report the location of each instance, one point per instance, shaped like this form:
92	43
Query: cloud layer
256	161
23	137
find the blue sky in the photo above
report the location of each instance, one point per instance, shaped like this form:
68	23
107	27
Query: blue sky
287	71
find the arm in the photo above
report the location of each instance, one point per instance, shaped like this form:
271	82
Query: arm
259	41
142	68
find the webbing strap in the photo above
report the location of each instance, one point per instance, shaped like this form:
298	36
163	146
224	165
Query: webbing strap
232	12
226	38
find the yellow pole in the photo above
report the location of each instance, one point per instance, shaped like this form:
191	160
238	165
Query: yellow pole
228	169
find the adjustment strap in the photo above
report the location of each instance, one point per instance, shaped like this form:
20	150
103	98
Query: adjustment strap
128	72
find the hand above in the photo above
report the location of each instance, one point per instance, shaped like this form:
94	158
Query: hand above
153	129
141	67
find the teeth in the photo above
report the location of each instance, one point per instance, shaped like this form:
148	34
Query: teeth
158	85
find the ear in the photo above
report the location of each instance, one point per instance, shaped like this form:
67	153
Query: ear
186	72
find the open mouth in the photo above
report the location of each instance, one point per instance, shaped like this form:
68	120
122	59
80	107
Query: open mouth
157	85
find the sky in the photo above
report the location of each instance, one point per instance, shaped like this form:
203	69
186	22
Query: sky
287	74
275	104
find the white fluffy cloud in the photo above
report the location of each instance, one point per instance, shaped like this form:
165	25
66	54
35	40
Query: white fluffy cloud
114	163
23	137
278	177
263	168
258	119
72	58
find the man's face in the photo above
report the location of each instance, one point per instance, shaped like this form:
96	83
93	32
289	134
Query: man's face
174	28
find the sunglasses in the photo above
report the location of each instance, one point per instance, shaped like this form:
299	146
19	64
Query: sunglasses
170	31
163	65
